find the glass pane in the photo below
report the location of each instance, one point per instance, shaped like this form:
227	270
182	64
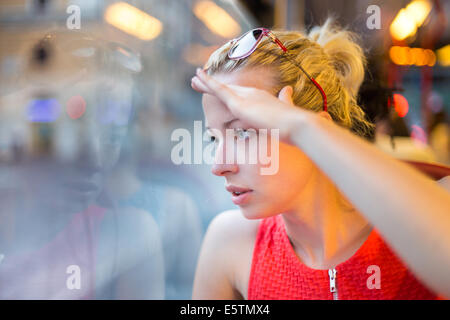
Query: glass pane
92	203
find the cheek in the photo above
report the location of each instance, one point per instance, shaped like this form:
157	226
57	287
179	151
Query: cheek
277	193
295	166
294	171
109	156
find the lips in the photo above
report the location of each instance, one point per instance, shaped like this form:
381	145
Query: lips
240	195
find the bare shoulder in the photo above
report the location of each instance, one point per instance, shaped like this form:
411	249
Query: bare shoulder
445	183
225	258
134	232
132	223
233	226
129	255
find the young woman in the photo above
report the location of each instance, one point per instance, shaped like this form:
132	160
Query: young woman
60	235
339	219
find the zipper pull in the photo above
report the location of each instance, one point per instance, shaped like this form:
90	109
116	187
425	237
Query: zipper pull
332	275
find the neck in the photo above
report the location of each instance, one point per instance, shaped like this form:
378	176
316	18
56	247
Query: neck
323	227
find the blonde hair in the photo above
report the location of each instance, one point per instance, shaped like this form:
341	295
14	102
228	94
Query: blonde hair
329	54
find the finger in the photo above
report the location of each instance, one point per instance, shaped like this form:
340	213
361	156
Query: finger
198	86
220	90
242	91
285	95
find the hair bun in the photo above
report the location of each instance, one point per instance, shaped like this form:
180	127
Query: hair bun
344	52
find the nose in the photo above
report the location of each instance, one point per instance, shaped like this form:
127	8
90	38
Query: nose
224	169
220	166
90	158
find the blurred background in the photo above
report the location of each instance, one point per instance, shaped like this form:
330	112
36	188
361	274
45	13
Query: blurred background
91	204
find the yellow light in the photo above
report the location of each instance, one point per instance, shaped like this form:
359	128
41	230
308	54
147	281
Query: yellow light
402	26
216	19
409	19
133	21
443	55
418	10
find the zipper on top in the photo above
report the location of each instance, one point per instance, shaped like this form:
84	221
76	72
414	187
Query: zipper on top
333	283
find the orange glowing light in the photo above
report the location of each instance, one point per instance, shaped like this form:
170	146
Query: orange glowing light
133	21
216	19
395	55
412	56
431	57
401	105
418	57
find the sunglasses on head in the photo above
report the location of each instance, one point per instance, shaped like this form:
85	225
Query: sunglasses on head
245	45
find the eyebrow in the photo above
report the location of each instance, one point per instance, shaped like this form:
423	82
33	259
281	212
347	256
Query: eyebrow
226	124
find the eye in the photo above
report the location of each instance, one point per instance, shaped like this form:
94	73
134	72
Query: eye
211	137
242	134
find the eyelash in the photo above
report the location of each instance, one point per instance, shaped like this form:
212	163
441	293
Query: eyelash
237	132
243	131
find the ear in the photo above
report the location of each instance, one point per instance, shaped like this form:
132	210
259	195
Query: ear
326	115
285	95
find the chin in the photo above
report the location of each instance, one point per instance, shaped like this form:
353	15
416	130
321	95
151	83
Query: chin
71	203
69	207
254	213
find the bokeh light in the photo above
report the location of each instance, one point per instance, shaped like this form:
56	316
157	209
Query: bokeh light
444	55
216	19
43	110
75	107
401	105
409	19
418	134
412	56
133	21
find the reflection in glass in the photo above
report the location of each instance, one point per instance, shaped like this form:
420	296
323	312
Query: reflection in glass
61	236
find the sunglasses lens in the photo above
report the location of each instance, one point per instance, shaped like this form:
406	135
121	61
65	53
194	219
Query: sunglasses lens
256	33
245	44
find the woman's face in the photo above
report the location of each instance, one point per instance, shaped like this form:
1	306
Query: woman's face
264	195
65	166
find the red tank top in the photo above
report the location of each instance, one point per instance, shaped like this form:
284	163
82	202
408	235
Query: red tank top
277	273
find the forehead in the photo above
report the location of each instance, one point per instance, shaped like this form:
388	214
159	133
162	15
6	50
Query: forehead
261	78
216	113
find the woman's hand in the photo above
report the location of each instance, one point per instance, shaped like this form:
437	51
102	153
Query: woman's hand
256	107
